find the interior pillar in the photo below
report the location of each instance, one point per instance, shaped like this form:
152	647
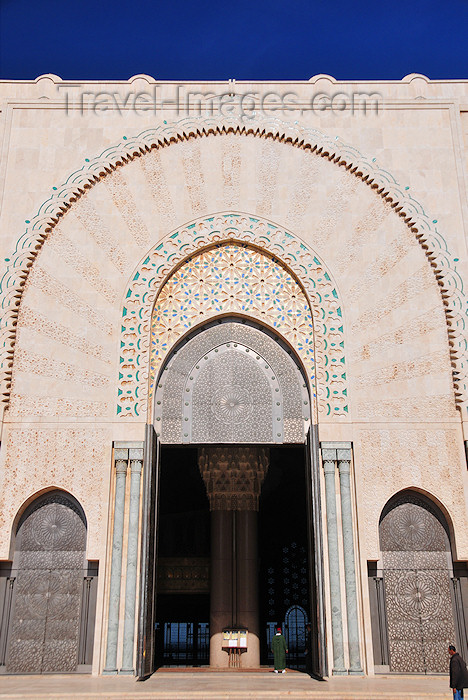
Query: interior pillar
233	478
247	583
221	603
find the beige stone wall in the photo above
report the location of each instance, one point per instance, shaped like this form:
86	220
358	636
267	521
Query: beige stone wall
402	419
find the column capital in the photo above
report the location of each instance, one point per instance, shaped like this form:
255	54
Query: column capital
233	476
121	466
343	456
136	465
120	453
329	466
328	455
135	453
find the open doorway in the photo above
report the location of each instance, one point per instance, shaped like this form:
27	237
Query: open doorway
286	596
283	568
183	585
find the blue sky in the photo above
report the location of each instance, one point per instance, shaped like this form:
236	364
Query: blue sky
182	40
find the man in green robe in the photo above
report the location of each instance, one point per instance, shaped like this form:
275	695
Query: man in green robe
278	647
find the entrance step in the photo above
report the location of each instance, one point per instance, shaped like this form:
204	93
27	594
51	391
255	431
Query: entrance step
201	684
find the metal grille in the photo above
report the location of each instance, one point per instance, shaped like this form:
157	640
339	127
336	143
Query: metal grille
288	600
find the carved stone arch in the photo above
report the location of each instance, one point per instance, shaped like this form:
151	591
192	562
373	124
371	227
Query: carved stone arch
410	521
34	501
232	382
95	170
298	297
429	501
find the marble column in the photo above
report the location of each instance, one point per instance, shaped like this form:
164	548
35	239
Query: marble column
136	464
233	478
344	460
329	468
121	464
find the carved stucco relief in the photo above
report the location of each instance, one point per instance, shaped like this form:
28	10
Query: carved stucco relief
76	460
340	219
415	457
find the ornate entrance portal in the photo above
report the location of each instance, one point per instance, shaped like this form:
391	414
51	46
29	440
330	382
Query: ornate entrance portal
232	386
51	603
233	390
415	590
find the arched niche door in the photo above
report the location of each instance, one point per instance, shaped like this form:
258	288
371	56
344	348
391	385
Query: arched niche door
51	606
417	606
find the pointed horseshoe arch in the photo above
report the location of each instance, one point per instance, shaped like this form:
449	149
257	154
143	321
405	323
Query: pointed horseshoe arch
283	284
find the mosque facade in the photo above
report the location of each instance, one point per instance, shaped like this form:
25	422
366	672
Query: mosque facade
233	355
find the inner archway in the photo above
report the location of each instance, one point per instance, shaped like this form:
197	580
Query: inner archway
233	390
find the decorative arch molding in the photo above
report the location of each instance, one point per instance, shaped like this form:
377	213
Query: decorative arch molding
257	374
36	498
381	181
297	297
432	503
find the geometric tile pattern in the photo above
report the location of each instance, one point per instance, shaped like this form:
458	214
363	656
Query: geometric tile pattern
284	285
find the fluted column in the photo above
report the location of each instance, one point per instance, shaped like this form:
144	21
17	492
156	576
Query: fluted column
344	460
121	463
328	459
136	464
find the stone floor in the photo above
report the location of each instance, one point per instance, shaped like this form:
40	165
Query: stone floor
184	685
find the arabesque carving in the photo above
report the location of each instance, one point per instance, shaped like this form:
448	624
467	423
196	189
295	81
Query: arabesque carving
233	476
94	170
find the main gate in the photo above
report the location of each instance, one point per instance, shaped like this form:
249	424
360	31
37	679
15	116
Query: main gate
229	383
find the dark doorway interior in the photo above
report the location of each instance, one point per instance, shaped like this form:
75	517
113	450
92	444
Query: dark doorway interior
183	598
183	602
284	556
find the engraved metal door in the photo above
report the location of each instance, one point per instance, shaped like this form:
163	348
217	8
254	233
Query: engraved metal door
44	631
416	577
145	664
316	577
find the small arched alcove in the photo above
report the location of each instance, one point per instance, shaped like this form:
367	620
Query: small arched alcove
414	596
50	590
